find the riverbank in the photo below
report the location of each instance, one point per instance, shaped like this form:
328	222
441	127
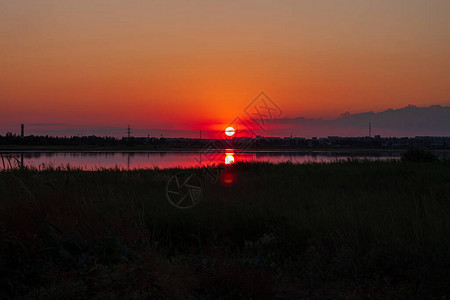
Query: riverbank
71	149
352	229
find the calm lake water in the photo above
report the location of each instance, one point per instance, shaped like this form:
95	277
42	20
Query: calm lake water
168	159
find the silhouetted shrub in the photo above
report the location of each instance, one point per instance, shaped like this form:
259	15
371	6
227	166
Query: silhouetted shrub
418	155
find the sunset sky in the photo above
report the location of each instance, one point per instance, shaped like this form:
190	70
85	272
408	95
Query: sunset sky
173	67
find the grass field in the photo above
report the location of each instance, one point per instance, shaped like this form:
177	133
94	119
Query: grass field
355	229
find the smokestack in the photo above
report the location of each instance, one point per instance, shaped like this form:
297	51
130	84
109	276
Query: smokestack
22	130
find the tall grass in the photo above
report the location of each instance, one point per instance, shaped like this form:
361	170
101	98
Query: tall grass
353	229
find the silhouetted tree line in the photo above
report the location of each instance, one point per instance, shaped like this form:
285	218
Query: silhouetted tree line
270	142
11	139
32	140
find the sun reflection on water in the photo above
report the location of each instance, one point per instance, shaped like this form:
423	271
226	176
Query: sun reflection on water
229	158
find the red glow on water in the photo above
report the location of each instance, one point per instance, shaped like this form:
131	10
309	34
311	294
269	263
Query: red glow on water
228	178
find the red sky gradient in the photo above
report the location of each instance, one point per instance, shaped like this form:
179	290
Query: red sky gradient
184	65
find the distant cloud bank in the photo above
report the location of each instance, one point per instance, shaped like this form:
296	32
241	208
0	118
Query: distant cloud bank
408	121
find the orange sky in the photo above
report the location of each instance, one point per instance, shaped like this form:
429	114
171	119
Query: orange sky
183	64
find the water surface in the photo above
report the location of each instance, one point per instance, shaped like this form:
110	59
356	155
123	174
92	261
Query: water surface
90	160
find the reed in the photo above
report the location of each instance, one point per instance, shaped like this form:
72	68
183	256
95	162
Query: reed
353	229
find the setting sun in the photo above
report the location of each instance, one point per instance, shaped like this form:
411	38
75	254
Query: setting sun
229	131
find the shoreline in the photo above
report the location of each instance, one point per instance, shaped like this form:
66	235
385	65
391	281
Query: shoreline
198	150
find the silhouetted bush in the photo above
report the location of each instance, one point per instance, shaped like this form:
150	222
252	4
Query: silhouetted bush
418	155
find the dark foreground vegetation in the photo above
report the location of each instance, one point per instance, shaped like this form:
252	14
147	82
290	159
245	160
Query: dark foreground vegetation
352	229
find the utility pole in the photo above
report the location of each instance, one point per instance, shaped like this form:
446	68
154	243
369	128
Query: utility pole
22	131
129	131
370	129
